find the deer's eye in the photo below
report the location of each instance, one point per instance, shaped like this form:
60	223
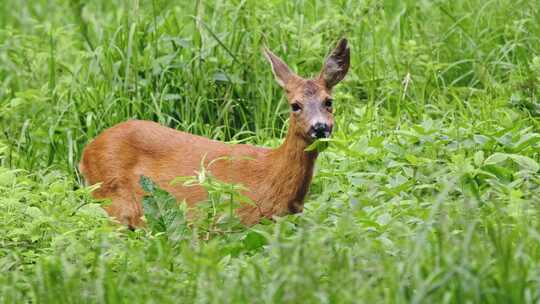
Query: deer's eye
328	103
295	107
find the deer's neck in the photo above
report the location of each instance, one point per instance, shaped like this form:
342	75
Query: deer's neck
290	173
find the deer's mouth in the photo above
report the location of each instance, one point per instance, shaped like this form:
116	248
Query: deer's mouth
319	131
319	134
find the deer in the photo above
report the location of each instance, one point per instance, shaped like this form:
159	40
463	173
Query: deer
275	179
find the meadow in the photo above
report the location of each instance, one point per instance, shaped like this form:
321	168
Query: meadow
428	192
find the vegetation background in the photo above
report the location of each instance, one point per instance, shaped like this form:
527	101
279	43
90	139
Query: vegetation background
429	191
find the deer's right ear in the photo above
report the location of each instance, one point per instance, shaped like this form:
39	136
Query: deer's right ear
281	71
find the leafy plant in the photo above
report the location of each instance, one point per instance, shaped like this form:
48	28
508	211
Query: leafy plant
162	213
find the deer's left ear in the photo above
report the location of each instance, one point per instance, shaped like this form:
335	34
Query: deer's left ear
337	64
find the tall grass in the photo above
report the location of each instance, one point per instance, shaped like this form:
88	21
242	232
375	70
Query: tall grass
429	192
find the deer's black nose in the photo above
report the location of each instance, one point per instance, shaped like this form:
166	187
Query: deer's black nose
319	130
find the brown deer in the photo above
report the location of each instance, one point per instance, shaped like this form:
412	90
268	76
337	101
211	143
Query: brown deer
276	180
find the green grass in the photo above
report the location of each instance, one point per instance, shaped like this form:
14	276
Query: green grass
429	193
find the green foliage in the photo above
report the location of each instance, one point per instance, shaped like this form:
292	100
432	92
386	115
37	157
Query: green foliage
162	212
215	215
427	192
210	218
319	145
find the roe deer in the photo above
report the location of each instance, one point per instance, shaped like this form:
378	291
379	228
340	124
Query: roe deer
276	180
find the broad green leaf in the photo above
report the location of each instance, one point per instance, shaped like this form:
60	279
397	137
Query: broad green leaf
33	212
496	158
525	162
319	145
161	211
254	240
93	210
147	184
6	177
479	158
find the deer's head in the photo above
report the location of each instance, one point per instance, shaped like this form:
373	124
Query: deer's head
310	100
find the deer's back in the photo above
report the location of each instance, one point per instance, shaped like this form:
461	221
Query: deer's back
120	155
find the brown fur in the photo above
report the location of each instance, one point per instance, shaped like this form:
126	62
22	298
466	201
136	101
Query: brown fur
277	179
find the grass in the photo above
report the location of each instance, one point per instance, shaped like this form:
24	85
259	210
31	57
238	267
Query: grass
429	191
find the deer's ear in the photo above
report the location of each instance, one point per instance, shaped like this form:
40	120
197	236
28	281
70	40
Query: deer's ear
281	71
337	64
